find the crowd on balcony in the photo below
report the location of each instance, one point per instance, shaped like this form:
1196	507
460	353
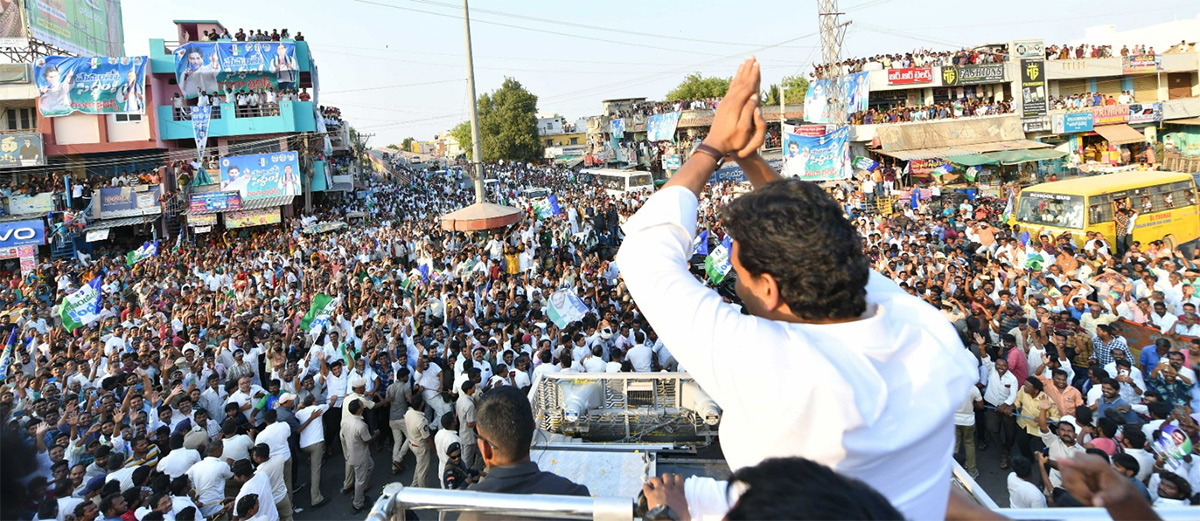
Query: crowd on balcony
1087	51
1091	99
259	35
650	108
247	103
332	116
917	58
959	108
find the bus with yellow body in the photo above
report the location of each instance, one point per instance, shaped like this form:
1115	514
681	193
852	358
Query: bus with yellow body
1165	202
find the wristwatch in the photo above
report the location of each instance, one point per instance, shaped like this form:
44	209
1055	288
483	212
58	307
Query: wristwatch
662	512
710	151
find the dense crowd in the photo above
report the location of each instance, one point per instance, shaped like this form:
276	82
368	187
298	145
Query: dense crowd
650	108
1091	99
917	58
959	108
259	35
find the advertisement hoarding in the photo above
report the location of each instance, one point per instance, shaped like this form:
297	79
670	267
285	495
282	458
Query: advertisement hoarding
83	27
21	149
214	202
258	176
910	75
12	24
1073	122
1028	49
204	219
953	75
661	127
1033	88
816	100
95	85
817	158
208	66
1141	64
23	233
1145	113
129	201
245	218
30	204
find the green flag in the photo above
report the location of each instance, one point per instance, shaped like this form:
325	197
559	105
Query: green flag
717	264
319	313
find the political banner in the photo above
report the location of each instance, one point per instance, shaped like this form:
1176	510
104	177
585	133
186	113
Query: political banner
94	85
910	75
83	306
16	252
202	66
717	264
12	24
214	202
817	158
661	127
700	244
865	163
1028	49
145	251
565	307
97	235
83	27
954	75
201	114
547	207
28	204
129	201
22	233
817	107
672	161
1145	113
258	176
319	311
248	218
21	149
617	128
1073	122
1033	88
1141	64
1110	114
202	219
926	165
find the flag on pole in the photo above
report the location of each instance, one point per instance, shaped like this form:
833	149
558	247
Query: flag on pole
1008	209
8	347
82	307
547	207
971	173
717	264
700	245
941	170
565	307
1035	261
319	312
147	250
424	271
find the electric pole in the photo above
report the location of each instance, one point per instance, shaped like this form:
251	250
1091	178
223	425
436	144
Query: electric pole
832	32
476	147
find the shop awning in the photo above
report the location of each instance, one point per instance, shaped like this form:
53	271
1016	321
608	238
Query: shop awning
341	187
1006	157
106	224
964	150
971	160
1184	121
253	204
1120	134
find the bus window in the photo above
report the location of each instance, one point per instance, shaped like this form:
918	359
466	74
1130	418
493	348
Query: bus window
1100	208
637	181
611	182
1059	210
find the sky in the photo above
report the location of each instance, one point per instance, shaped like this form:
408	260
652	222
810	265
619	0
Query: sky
397	68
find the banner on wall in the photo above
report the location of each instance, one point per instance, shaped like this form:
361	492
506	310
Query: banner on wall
1072	122
1033	88
214	202
910	75
203	66
1141	64
83	27
12	25
817	158
1145	113
201	114
27	204
31	232
126	201
204	219
926	165
661	127
261	175
246	218
816	99
91	85
617	128
954	75
21	149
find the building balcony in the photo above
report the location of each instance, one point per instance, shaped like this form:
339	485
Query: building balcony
162	61
292	116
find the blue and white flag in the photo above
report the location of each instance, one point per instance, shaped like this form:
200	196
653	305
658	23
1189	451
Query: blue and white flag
717	264
201	114
547	207
147	250
82	307
565	307
424	271
700	245
8	347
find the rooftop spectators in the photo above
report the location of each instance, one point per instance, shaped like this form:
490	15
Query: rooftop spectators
959	108
332	115
650	108
1091	99
255	35
918	58
1086	51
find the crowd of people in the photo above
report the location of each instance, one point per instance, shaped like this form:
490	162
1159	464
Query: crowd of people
1086	51
247	103
651	108
917	58
1091	99
959	108
259	35
332	116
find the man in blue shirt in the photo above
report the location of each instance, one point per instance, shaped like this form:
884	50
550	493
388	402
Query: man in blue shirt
1150	357
1111	399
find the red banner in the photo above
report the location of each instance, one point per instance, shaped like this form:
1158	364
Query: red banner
1138	337
910	75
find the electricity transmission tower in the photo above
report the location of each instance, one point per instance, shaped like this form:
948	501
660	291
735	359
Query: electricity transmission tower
832	32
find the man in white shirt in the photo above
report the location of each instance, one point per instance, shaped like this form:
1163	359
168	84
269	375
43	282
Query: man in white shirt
1022	493
179	460
258	483
312	443
641	357
1000	395
275	435
964	428
869	346
208	478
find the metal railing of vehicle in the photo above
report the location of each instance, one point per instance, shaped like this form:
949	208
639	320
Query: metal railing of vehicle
396	499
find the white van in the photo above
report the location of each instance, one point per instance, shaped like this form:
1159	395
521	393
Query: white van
617	182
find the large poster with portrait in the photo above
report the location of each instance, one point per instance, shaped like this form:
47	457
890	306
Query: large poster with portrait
260	176
211	66
816	101
817	158
91	85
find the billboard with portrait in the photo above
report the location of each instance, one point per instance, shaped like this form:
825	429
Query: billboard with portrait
258	176
92	85
817	158
661	127
246	218
816	99
21	149
211	66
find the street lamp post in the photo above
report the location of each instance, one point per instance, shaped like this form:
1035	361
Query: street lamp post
476	147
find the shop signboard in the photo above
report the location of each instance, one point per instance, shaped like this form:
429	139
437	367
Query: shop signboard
1073	122
129	201
31	232
954	75
202	219
21	149
1110	114
926	165
672	162
1145	113
30	204
246	218
214	202
97	235
1141	64
910	76
1028	49
1033	88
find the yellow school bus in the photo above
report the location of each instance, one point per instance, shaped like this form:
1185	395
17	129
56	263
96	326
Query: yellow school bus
1165	202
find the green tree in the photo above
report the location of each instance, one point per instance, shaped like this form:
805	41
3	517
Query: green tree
392	147
695	86
507	125
794	89
406	144
770	96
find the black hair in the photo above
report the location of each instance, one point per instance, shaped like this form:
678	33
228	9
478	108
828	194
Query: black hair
355	406
243	467
270	415
246	504
796	232
1129	462
1098	452
505	416
798	488
1022	466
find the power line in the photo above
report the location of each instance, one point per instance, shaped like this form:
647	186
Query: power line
394	86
